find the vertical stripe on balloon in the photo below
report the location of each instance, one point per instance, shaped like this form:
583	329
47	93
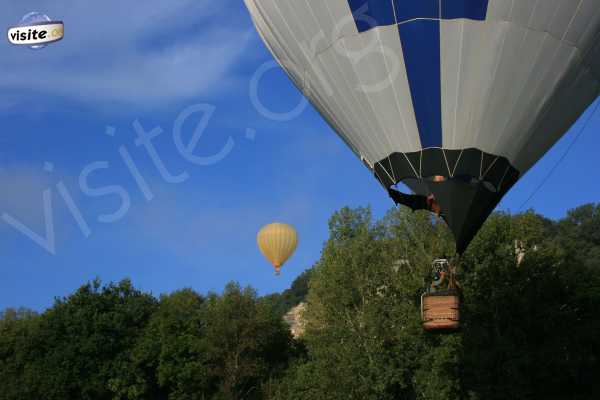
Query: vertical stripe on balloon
419	27
470	9
421	47
409	10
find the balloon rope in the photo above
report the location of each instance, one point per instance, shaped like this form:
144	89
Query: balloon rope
562	158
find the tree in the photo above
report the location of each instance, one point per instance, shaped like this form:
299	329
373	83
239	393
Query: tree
364	337
76	347
579	234
224	346
168	360
289	298
17	352
528	330
247	343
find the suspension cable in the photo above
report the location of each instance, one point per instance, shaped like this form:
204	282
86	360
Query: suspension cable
563	157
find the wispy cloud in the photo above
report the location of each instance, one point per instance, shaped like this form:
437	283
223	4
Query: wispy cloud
32	210
145	53
22	194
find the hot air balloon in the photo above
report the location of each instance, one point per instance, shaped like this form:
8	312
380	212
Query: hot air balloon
457	99
475	91
277	242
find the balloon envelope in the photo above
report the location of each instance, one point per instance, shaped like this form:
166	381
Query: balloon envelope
277	242
476	91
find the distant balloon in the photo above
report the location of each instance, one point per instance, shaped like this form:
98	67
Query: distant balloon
457	99
277	242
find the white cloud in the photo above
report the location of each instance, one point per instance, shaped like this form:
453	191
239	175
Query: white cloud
23	212
22	193
145	53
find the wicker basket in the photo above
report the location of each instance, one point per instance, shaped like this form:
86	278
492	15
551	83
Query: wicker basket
440	311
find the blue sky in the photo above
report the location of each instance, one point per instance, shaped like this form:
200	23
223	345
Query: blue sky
182	70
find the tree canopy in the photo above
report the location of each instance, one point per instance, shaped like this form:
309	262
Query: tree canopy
529	326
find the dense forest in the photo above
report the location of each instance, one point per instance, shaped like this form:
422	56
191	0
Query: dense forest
530	329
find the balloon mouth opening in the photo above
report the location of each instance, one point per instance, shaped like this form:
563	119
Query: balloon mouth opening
437	179
433	166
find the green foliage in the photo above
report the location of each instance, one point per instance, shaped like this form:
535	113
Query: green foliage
579	234
16	352
167	361
76	347
529	329
114	342
296	294
248	342
364	336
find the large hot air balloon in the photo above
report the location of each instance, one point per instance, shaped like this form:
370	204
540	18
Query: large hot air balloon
277	242
470	91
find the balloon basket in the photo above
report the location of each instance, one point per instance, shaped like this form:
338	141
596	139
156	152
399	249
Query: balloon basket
440	311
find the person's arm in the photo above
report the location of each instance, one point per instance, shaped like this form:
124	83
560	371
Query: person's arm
412	201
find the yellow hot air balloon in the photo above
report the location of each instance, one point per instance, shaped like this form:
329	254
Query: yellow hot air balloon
277	242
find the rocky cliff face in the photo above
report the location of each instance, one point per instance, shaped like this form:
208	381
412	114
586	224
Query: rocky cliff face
294	319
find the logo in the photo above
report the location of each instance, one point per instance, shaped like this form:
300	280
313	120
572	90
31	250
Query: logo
36	30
